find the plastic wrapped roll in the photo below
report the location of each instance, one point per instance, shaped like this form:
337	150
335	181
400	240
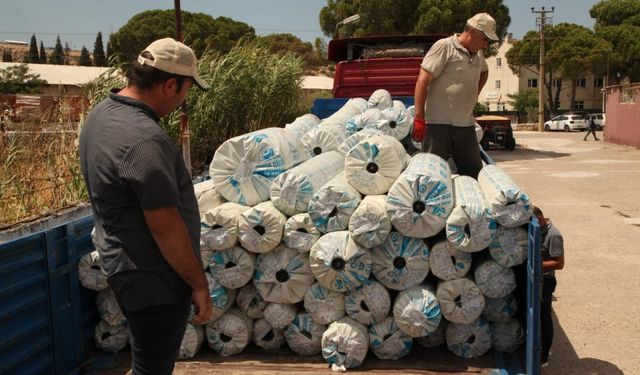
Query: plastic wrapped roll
421	199
303	124
461	301
398	124
435	338
221	299
221	226
470	226
510	246
369	303
267	337
370	225
416	311
331	207
111	339
398	104
304	335
207	196
108	307
510	206
260	227
370	119
243	167
250	302
372	165
345	344
283	275
447	262
280	315
494	280
300	233
500	310
338	263
191	341
469	340
352	107
293	189
328	136
353	139
324	305
507	337
230	334
400	262
90	272
387	341
380	99
232	268
479	133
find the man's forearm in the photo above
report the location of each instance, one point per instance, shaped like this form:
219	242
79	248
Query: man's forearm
421	92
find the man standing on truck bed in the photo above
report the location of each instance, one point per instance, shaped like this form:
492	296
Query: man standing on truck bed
145	211
452	75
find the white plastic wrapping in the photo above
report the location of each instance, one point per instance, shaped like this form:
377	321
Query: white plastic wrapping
353	139
328	136
207	196
230	334
510	206
345	344
370	119
324	305
421	199
267	337
280	315
370	225
447	262
260	227
300	233
250	302
338	263
352	107
90	272
372	165
221	299
400	262
398	124
220	226
461	301
232	268
108	307
500	310
369	303
416	311
111	338
243	167
292	190
469	340
191	341
304	335
380	99
494	280
435	338
510	247
470	226
398	104
387	341
331	207
508	336
283	275
302	124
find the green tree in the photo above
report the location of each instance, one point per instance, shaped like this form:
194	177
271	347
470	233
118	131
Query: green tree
16	79
85	59
288	43
616	12
99	58
526	104
32	56
6	55
320	49
57	56
109	53
43	54
67	53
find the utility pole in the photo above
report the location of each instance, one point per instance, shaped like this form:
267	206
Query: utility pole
541	21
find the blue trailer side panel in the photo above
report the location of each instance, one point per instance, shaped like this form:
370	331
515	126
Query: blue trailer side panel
324	108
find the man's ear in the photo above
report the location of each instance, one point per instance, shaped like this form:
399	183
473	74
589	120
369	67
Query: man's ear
170	86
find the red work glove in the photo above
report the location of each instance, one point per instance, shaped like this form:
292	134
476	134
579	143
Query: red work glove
419	129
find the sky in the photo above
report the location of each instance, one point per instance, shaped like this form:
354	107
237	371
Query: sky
78	21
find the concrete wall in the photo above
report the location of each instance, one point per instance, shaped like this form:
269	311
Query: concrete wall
623	118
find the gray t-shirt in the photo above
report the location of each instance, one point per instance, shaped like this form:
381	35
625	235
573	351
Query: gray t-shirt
129	165
453	92
552	244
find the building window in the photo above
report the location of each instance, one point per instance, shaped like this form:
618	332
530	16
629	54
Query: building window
578	105
556	82
581	82
598	82
497	83
501	106
532	83
498	62
628	95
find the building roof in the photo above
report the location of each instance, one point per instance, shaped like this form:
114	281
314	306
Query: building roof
62	74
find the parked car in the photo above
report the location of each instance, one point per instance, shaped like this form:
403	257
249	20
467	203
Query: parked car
599	119
566	123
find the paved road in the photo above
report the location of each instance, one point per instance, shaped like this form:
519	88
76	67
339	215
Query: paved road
590	190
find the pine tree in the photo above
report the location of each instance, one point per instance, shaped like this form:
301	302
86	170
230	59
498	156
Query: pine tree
33	57
67	54
85	59
6	55
99	59
57	57
43	54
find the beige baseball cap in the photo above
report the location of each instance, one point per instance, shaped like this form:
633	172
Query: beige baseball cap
174	57
485	23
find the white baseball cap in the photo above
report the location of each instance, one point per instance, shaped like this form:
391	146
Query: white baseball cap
485	23
174	57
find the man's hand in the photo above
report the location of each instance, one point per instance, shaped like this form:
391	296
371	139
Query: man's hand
419	129
202	305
